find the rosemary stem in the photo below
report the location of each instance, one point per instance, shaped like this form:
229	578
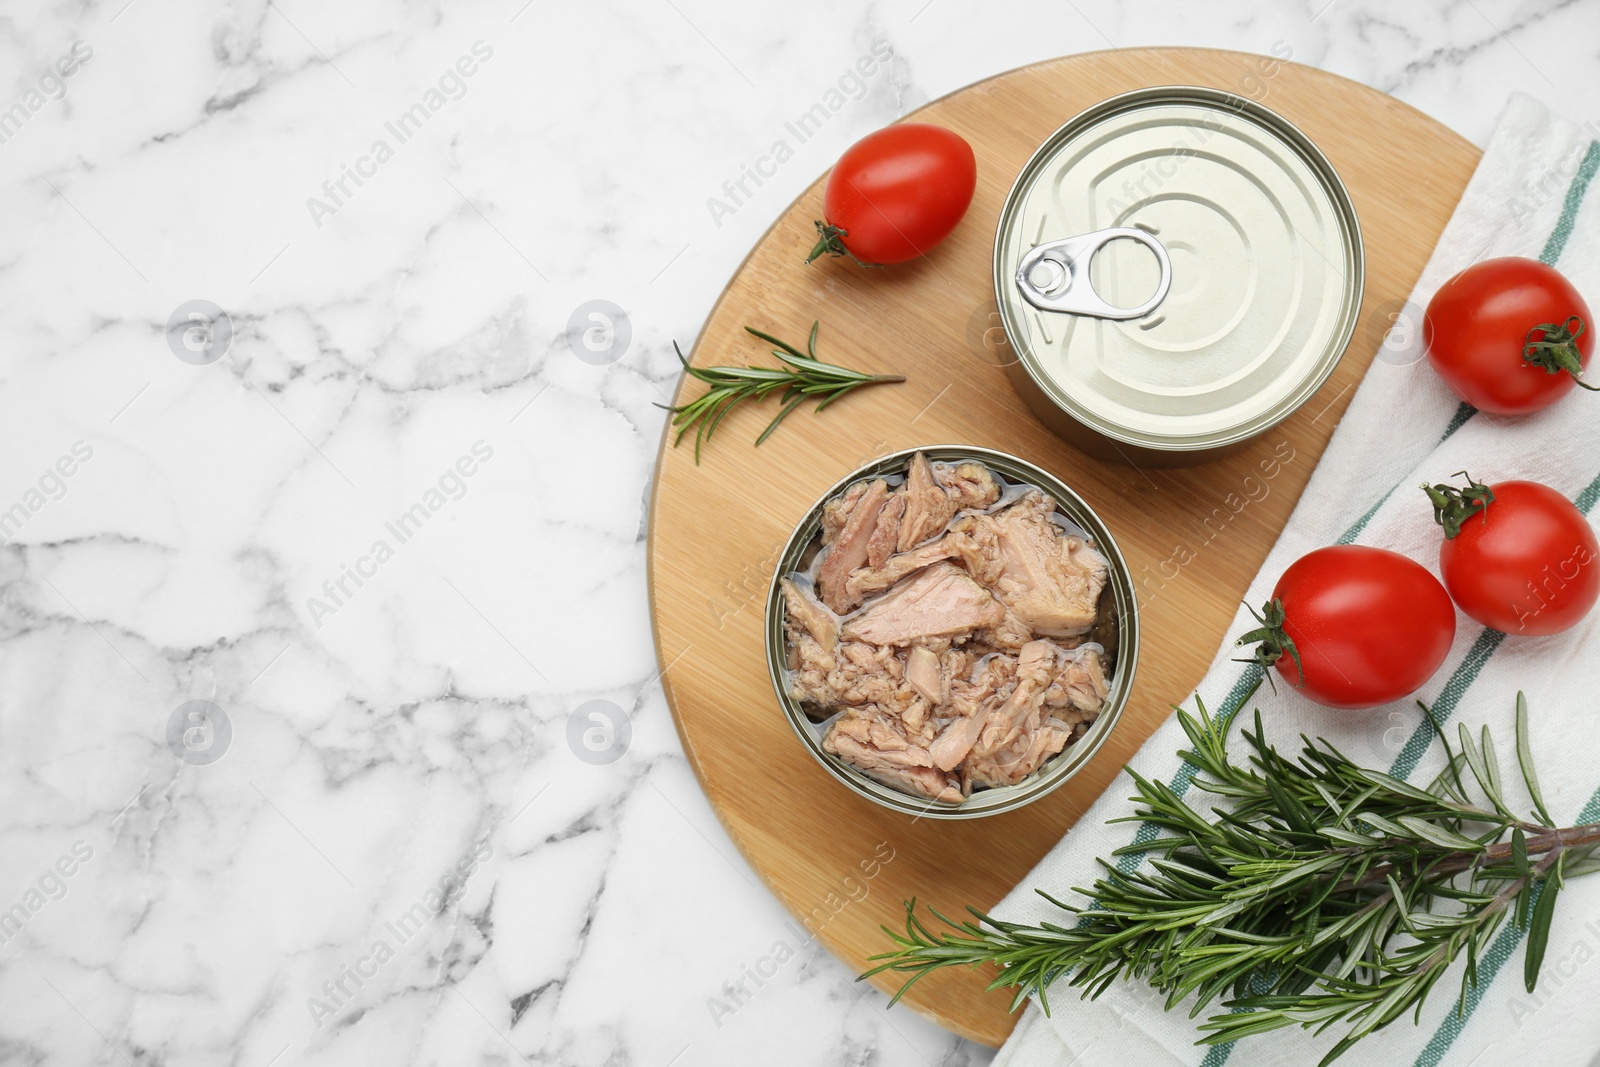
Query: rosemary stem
1544	839
1508	893
1547	840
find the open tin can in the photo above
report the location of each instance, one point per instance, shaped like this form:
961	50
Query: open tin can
1177	269
1116	630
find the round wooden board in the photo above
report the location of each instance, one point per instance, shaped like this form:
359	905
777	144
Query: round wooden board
716	529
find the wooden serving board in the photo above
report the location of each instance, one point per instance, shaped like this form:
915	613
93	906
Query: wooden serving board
1194	537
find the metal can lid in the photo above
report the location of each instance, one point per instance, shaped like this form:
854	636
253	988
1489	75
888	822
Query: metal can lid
1238	305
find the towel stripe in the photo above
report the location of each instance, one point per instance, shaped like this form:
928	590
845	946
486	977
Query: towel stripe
1248	678
1464	412
1444	705
1482	649
1569	209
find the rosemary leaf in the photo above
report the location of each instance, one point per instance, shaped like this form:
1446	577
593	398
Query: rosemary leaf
1525	760
1539	926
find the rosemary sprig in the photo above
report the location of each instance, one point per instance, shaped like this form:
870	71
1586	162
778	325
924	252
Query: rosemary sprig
1322	893
802	375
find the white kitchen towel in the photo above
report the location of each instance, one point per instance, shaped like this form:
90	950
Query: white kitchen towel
1531	196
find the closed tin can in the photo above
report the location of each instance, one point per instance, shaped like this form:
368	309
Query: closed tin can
1116	630
1177	269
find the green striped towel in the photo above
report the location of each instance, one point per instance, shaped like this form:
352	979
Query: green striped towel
1530	197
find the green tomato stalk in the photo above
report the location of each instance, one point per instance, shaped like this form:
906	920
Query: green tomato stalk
1556	349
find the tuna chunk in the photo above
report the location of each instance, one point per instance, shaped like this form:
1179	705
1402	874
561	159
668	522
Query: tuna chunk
1019	713
837	511
883	753
926	675
1057	694
954	742
1010	635
942	601
854	675
880	546
971	700
869	581
1079	689
849	549
970	485
876	733
1050	581
813	669
816	620
994	673
928	508
1026	754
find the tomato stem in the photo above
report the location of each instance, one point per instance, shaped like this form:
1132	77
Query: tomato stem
828	244
1556	350
1273	640
1453	506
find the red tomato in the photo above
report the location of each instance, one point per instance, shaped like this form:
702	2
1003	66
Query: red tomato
1509	335
1528	563
896	193
1369	626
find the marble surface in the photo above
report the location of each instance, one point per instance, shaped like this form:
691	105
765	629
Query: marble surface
330	729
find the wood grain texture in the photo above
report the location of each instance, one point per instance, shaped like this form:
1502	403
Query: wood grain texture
1194	537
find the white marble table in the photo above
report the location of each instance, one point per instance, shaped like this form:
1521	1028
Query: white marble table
392	528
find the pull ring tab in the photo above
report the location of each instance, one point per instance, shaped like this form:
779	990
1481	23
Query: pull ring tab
1069	288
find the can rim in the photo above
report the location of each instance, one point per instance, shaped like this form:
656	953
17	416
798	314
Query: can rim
1059	768
1310	154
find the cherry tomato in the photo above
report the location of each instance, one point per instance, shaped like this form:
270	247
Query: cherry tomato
1509	335
1368	626
896	193
1525	562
